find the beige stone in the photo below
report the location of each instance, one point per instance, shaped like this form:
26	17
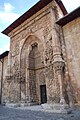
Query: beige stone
43	65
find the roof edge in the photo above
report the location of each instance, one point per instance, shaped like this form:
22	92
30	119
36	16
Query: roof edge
4	54
69	17
33	10
62	7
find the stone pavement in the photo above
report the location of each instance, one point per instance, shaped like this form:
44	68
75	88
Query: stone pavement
35	113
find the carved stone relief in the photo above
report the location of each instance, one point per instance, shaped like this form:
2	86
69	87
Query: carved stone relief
42	78
49	52
14	92
16	49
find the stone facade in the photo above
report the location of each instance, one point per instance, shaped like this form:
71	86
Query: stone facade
3	83
33	49
72	39
42	60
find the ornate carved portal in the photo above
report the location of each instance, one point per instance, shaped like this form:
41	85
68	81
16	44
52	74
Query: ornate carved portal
35	74
31	71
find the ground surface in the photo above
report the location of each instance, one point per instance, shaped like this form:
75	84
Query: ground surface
34	113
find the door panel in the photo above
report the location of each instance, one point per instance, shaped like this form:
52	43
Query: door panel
43	94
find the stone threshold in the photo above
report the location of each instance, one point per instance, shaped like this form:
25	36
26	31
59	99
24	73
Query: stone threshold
52	108
19	104
56	108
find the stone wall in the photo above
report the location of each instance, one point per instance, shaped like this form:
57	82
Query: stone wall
72	41
28	73
4	83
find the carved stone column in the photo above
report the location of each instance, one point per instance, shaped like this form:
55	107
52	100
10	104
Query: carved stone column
28	97
55	35
58	62
58	65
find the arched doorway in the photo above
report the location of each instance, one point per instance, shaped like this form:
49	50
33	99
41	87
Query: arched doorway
42	84
31	67
36	67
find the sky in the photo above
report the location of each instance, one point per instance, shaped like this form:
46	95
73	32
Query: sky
10	10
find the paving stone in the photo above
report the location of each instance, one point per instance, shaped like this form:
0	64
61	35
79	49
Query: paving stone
61	119
28	114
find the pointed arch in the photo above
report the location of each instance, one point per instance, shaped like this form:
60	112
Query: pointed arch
30	65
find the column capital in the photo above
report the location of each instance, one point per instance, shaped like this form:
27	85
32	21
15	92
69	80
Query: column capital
58	65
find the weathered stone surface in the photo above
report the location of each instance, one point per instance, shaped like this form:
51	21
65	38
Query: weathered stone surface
72	39
40	56
35	57
3	83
